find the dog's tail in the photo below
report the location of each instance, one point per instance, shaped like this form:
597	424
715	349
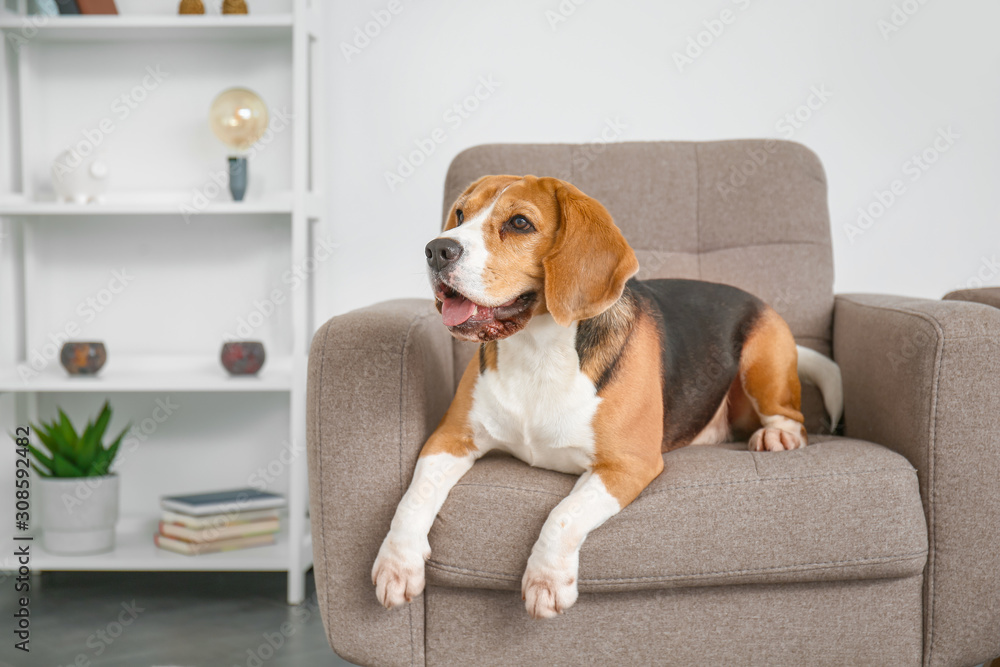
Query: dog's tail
824	373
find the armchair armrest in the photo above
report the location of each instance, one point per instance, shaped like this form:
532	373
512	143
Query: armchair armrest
380	379
923	378
988	295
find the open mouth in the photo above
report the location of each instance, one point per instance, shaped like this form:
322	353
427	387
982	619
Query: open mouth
482	322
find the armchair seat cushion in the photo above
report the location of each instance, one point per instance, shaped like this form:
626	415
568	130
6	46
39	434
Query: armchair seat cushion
840	509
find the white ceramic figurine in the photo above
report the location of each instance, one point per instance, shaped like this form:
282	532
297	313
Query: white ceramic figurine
79	179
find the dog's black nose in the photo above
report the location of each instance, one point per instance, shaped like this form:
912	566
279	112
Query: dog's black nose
442	252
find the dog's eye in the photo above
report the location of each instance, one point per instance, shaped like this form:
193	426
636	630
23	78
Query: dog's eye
519	223
459	216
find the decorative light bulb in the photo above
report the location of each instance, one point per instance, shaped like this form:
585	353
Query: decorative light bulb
238	118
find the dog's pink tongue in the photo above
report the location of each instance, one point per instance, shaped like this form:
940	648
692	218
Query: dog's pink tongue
457	309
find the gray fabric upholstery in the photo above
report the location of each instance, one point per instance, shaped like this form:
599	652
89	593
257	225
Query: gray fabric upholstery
987	295
837	510
380	379
868	622
923	378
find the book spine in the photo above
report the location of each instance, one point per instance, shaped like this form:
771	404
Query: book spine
218	520
210	548
168	545
68	7
222	508
97	6
209	535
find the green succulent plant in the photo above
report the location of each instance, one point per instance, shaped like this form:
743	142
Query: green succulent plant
72	454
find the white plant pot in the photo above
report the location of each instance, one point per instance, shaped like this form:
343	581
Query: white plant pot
78	514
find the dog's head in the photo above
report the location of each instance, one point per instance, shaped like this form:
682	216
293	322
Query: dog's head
515	247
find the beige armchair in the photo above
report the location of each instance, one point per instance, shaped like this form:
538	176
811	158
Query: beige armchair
878	546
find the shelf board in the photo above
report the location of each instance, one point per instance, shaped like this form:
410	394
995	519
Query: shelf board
153	204
149	27
161	373
135	550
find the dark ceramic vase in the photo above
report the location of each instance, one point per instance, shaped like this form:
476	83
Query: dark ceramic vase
238	177
83	358
243	357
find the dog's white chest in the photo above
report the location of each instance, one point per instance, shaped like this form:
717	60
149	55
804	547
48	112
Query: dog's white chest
537	405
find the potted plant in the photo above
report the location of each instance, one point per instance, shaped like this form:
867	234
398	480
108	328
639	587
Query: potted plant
78	495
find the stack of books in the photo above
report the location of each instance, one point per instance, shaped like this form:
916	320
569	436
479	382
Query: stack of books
223	521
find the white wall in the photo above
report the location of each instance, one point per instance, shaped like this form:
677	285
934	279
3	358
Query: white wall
889	96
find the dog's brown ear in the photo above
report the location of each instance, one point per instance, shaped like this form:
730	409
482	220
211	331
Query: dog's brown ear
587	267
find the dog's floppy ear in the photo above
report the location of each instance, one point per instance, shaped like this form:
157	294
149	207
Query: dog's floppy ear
590	261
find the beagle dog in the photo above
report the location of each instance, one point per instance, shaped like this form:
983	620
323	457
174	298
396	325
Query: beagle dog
585	370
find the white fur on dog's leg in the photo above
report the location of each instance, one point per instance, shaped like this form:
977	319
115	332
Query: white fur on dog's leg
549	584
398	572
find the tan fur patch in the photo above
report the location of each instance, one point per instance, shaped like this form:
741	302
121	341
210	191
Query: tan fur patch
453	434
488	355
628	425
590	262
768	369
742	418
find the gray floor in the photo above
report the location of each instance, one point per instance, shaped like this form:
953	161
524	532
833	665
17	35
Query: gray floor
190	619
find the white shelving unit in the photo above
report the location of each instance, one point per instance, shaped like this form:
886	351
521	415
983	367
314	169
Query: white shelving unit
135	550
280	213
150	204
153	373
160	27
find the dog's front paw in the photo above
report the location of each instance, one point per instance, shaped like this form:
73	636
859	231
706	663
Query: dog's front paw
398	573
547	591
774	439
